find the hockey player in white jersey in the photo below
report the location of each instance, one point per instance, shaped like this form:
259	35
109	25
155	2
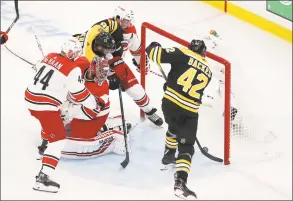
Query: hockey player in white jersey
125	17
57	77
91	133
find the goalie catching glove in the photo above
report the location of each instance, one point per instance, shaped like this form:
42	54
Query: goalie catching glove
137	65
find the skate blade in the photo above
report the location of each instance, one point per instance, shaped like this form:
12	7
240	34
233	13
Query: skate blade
43	188
180	195
170	166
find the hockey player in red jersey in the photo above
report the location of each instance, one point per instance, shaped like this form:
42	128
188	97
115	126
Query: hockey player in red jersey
88	134
123	74
57	76
131	41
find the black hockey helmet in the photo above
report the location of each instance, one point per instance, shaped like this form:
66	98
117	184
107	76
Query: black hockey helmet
198	46
104	43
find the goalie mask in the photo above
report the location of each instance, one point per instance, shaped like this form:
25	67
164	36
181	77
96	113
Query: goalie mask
99	69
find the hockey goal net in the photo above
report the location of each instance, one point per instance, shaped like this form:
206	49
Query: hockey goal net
231	123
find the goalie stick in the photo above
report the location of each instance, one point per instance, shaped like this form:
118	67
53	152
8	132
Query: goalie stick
203	150
127	158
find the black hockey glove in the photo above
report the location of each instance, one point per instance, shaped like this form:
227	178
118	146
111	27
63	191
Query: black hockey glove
154	44
165	86
114	82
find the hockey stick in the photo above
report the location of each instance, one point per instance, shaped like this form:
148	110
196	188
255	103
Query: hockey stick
203	150
127	159
18	56
33	66
38	41
17	16
2	36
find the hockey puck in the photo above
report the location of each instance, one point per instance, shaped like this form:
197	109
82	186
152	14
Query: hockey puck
206	149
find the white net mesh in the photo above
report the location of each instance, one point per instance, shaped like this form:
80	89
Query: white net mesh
250	139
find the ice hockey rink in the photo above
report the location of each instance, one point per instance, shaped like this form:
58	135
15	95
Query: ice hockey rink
261	160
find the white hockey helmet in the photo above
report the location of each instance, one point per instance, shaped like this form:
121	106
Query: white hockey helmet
123	13
72	48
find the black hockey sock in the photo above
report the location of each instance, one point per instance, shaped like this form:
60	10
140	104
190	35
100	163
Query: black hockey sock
171	142
183	165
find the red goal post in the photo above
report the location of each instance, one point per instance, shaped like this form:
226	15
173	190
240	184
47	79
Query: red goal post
214	57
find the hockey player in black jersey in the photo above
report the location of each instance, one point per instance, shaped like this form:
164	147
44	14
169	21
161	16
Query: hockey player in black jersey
189	76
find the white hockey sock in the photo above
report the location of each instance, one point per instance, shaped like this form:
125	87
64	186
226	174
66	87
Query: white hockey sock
138	94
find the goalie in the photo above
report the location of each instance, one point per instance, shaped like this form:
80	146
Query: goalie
88	134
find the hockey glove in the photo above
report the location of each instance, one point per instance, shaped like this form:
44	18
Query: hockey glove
165	86
154	44
114	82
101	103
3	37
151	46
68	109
147	65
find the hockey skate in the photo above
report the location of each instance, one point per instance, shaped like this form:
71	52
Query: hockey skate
45	184
42	149
153	117
181	190
168	159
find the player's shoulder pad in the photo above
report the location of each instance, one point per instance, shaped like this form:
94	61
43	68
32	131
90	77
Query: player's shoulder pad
113	25
83	63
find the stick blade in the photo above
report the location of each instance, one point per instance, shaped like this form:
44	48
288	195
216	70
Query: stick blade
125	162
214	158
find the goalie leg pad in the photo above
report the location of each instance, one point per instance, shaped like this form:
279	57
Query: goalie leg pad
110	141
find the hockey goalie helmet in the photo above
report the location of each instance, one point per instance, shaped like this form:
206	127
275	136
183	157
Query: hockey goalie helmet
103	44
124	17
71	48
99	69
198	46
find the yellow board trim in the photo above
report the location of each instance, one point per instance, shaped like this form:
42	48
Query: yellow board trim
253	19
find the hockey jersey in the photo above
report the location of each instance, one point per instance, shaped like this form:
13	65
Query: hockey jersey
189	75
101	94
56	78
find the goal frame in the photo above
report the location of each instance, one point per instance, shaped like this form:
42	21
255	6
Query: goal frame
227	115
